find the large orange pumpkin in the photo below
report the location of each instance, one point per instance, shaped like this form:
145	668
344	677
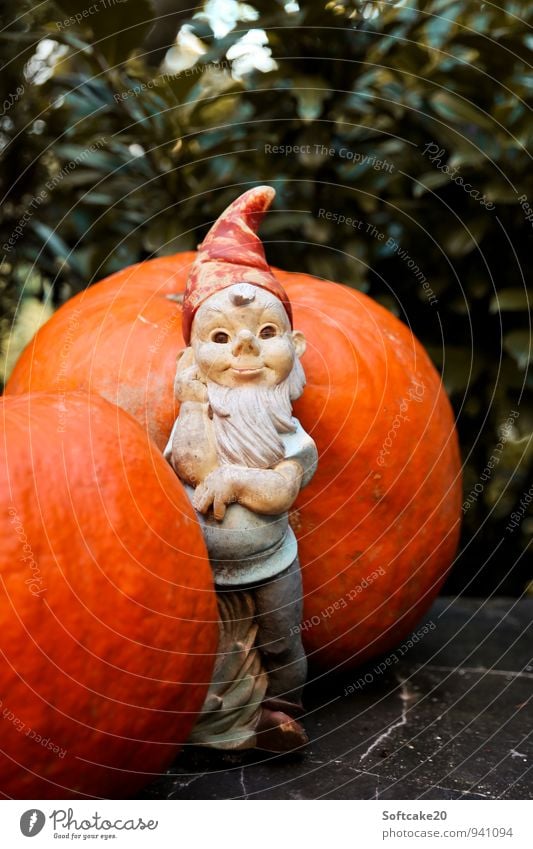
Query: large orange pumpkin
378	525
108	616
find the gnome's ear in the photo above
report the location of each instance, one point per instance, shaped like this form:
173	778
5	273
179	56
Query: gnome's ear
299	342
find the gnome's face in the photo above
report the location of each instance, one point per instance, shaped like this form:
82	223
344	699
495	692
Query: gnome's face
241	335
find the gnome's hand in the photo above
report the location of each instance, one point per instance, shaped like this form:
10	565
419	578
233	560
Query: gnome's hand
189	386
220	488
267	491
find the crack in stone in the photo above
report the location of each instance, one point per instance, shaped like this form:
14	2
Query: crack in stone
178	785
343	763
515	754
406	696
243	783
480	670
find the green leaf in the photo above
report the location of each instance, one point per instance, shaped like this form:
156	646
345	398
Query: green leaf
428	182
458	110
119	26
458	366
510	300
53	242
465	237
517	343
500	192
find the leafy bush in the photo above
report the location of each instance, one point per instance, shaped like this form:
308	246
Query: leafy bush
396	135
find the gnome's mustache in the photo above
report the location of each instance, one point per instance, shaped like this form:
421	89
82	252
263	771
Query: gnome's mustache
248	421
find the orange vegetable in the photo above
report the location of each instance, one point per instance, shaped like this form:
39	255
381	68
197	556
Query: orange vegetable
106	602
378	526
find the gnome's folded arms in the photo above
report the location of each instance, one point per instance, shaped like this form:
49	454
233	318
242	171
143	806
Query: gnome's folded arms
267	491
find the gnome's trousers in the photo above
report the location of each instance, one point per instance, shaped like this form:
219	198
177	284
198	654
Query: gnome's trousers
279	603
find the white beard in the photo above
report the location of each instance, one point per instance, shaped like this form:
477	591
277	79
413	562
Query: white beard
248	420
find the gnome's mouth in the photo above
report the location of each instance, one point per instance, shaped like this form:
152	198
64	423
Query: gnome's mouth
247	370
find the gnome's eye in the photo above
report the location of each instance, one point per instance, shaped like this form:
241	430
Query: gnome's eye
220	337
268	331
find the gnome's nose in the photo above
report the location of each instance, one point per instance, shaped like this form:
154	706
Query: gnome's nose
245	343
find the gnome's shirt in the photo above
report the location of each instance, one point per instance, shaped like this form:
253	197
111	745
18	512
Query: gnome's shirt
245	546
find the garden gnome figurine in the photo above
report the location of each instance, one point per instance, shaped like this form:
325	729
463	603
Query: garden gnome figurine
243	459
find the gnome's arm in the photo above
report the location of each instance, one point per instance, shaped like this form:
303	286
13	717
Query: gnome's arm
191	450
267	491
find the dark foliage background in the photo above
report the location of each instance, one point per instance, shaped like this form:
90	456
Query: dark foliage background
143	174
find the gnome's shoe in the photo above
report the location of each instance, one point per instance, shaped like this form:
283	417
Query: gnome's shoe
278	732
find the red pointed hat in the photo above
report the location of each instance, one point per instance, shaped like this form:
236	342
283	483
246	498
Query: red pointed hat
232	252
